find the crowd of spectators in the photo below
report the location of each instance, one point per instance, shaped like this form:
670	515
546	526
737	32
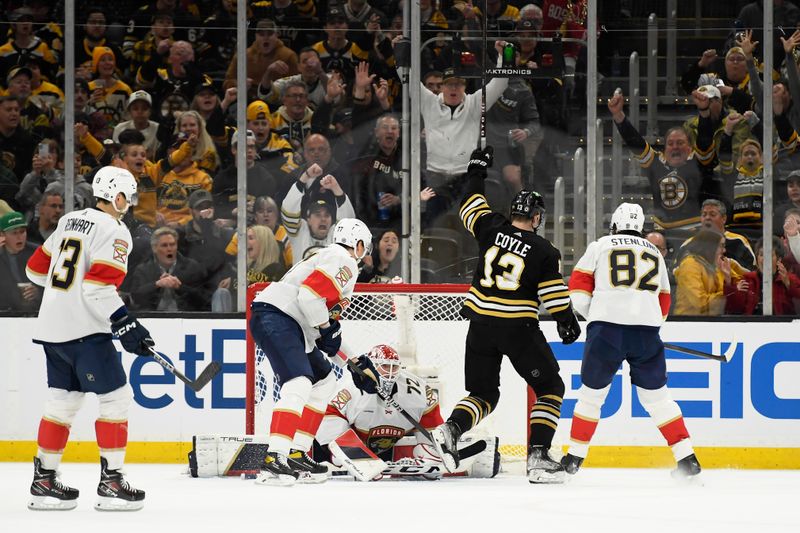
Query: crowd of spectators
156	88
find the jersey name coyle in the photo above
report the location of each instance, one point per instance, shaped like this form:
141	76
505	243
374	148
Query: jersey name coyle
515	246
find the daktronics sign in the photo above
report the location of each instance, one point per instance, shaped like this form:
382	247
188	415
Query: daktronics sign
730	388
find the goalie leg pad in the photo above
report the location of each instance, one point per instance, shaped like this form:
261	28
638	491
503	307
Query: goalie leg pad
227	455
486	464
354	455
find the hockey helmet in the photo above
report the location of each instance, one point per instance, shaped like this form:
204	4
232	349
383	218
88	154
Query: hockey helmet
387	363
110	181
527	204
349	231
627	217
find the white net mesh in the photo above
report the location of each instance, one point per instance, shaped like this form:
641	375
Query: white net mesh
428	333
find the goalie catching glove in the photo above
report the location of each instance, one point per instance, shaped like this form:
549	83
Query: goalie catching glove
479	162
365	376
132	334
330	338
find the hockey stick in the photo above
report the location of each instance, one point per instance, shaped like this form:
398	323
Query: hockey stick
391	402
482	129
400	468
725	357
202	380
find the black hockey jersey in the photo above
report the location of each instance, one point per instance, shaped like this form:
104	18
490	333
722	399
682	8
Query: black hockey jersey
517	272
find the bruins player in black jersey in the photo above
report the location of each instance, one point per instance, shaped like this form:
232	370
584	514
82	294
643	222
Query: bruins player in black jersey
519	273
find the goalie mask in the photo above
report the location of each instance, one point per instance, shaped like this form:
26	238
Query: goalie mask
387	363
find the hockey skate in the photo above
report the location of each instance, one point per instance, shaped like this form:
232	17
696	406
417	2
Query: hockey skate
445	440
542	468
571	463
114	493
48	493
308	470
688	469
276	471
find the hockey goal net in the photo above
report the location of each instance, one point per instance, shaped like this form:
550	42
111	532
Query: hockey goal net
423	324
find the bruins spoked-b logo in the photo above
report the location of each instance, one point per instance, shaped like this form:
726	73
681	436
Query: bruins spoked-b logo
673	190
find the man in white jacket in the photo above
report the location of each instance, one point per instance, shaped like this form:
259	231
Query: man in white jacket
452	120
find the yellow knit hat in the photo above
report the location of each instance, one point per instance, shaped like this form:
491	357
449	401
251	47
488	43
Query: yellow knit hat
98	52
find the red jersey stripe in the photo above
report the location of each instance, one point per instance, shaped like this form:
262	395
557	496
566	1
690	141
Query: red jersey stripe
39	262
323	286
581	281
105	274
664	300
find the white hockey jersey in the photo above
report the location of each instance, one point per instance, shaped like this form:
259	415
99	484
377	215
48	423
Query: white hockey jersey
80	266
378	425
621	279
315	290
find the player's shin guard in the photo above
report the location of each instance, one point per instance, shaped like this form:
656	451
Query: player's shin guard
466	415
111	426
669	419
314	412
544	419
59	412
286	414
584	423
308	469
469	412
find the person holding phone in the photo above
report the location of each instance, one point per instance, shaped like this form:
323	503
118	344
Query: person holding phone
43	173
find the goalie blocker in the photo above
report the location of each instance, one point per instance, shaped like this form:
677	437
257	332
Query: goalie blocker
237	455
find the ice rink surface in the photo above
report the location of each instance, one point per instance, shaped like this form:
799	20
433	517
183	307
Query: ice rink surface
613	500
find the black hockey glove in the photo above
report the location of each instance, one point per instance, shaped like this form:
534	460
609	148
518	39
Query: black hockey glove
368	381
569	330
134	336
479	162
330	339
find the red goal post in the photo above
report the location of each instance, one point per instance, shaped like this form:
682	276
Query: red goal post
422	322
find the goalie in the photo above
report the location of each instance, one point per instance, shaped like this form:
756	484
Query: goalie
366	436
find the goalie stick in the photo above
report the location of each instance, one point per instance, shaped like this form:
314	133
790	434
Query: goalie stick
725	357
202	380
391	402
415	467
